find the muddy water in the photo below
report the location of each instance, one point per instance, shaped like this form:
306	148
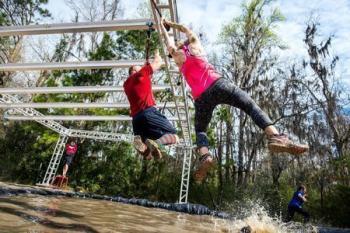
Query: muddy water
62	214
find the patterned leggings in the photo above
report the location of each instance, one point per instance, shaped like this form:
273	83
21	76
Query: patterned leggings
224	92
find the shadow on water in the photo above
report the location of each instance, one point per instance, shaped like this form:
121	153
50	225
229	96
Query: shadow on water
47	211
48	223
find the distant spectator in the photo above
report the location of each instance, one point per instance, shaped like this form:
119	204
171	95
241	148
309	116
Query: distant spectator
295	205
71	150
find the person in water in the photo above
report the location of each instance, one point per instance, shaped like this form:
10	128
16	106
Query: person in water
296	204
209	90
152	129
71	150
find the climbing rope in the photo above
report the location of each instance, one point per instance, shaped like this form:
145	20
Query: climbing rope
148	41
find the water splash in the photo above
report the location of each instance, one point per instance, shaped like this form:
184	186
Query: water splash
256	219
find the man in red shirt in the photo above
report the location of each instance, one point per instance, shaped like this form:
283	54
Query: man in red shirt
151	128
71	150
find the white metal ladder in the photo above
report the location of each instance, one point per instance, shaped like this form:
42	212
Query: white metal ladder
180	95
55	160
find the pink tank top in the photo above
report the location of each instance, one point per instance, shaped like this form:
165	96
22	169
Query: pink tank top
199	74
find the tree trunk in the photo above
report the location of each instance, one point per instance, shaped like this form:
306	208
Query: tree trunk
229	161
220	147
240	148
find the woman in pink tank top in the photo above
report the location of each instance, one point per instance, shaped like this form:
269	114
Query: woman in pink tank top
209	90
199	74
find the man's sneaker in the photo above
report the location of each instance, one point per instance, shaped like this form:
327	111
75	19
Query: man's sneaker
280	143
139	145
206	162
154	147
147	154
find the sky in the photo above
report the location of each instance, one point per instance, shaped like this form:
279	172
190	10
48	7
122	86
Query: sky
210	15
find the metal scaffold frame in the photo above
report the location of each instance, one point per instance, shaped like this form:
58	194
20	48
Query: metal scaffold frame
98	135
180	96
64	133
30	112
55	160
26	112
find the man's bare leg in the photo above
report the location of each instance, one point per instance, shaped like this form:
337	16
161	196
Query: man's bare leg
158	145
65	170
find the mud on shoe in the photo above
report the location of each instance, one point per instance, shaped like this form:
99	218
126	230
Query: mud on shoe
147	155
206	162
279	143
139	145
154	147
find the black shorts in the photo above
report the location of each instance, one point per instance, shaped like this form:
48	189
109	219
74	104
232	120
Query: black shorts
150	123
68	159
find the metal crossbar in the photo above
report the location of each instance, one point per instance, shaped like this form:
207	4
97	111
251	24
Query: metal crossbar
70	65
76	89
72	118
75	105
98	135
115	25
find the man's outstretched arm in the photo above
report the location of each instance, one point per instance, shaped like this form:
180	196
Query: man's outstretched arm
157	61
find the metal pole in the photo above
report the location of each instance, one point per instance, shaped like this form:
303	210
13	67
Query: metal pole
59	28
70	65
74	105
76	89
73	118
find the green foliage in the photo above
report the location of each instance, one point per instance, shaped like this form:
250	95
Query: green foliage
3	18
25	148
337	209
22	12
131	44
252	30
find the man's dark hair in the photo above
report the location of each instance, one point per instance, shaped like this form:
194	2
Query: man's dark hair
131	68
301	187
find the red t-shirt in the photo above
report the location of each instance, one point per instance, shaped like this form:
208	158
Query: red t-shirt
71	150
138	89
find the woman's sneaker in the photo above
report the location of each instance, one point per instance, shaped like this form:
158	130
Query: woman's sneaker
154	147
280	143
206	162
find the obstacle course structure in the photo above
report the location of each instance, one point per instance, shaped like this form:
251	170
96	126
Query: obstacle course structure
179	108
